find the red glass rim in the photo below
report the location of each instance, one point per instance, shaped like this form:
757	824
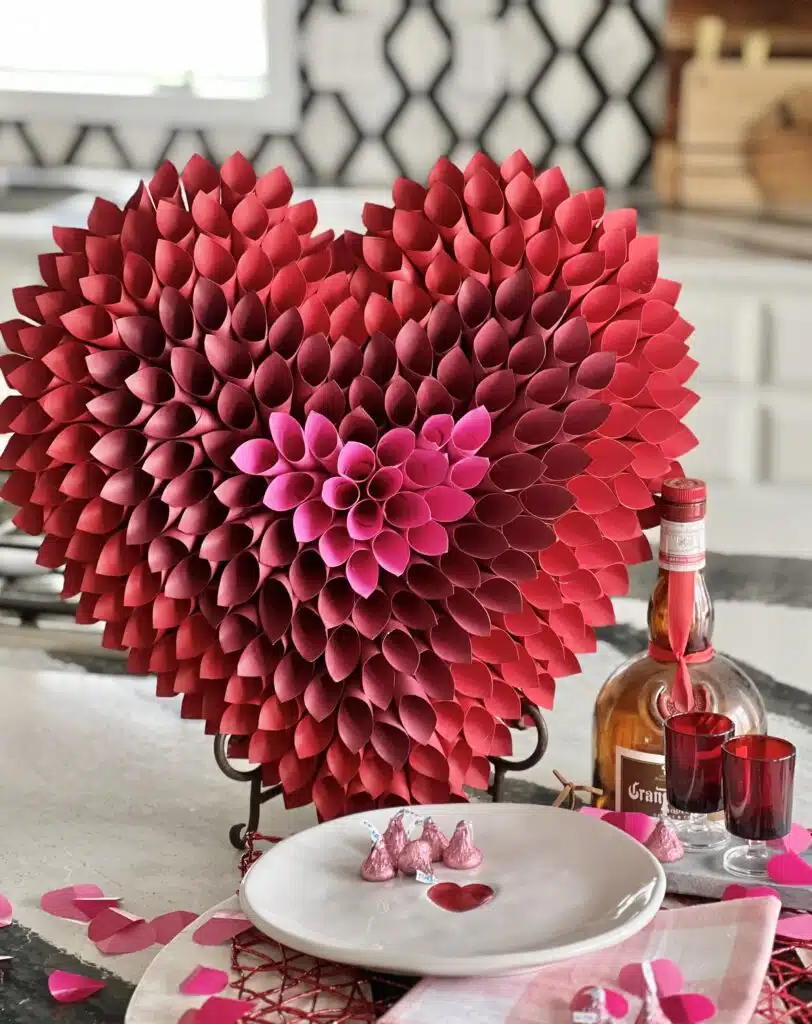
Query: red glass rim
700	723
759	748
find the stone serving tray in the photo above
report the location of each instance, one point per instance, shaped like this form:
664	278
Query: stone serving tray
701	874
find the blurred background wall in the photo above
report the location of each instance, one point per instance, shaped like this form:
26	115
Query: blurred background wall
386	85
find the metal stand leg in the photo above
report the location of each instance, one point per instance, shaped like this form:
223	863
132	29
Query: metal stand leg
257	795
501	765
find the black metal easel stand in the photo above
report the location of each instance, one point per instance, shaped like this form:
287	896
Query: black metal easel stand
257	795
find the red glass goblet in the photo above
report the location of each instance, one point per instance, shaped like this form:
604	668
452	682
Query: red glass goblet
758	773
693	775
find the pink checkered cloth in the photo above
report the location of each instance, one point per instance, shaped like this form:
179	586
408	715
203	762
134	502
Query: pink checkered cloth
723	950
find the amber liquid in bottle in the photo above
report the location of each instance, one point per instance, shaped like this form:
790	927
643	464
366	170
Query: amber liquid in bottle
628	748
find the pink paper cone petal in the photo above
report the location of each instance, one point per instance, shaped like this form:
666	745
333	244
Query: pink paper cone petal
472	431
448	504
66	987
429	539
391	551
362	572
6	912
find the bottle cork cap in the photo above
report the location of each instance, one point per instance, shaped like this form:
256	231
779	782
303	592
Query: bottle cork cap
683	490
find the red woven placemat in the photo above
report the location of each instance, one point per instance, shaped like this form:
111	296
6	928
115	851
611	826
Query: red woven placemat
291	987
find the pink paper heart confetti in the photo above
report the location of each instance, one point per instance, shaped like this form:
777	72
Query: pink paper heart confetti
62	902
66	987
167	926
221	927
204	981
789	869
91	907
740	892
635	824
110	921
131	939
796	841
667	976
687	1009
6	912
218	1010
795	926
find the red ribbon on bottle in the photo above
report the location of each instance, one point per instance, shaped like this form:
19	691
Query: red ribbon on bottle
682	690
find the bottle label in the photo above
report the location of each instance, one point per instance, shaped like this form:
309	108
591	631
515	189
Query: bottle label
682	546
639	781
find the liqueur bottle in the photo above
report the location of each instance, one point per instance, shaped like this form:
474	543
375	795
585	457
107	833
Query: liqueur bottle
680	671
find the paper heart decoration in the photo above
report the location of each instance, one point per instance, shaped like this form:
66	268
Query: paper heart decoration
795	926
167	926
218	1010
93	906
204	981
72	988
789	869
663	979
797	840
740	892
351	500
460	898
616	1005
667	976
634	823
221	927
6	912
62	902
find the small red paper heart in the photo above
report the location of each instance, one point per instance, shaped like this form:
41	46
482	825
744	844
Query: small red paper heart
460	898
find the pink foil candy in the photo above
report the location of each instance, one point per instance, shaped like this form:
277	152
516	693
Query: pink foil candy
461	854
664	843
432	835
415	857
396	836
379	866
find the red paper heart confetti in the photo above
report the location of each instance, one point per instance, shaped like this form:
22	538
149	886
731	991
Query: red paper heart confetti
460	898
303	480
66	987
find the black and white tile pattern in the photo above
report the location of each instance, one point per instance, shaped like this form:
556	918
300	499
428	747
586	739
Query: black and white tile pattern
390	84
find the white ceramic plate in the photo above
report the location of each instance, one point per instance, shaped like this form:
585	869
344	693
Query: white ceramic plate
565	884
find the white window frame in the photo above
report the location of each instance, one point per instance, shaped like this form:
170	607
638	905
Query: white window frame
277	111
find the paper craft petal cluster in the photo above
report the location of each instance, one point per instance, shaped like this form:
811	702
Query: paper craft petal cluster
353	499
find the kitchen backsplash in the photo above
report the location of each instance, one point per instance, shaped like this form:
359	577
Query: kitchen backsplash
390	84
